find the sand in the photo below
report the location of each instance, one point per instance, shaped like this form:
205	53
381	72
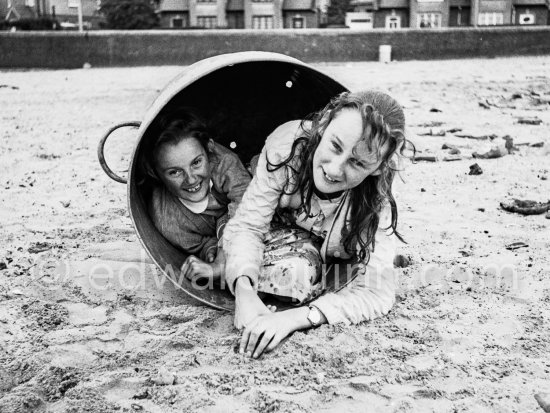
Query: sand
85	325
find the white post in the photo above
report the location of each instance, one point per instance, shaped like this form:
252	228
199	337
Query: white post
80	23
384	53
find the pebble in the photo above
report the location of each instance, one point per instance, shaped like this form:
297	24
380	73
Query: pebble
320	377
475	169
164	377
401	261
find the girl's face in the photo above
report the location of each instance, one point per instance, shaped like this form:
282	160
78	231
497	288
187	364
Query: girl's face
184	169
342	160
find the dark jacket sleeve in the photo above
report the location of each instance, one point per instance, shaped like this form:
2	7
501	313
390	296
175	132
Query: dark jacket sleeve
177	225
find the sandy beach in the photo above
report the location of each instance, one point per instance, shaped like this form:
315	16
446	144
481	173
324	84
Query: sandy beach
88	325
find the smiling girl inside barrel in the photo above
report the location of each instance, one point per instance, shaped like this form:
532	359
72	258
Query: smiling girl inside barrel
198	184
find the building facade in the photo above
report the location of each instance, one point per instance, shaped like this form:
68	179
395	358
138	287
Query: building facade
64	11
428	14
238	14
13	10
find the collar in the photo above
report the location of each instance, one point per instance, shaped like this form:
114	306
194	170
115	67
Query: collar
197	207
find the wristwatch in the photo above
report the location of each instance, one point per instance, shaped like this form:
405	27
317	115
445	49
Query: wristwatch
314	316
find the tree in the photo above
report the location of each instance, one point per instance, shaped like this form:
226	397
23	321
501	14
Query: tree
129	14
336	12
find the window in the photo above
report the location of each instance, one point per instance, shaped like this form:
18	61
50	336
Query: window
393	22
177	22
359	21
29	3
428	20
298	22
490	19
526	18
262	1
72	3
208	22
206	1
262	22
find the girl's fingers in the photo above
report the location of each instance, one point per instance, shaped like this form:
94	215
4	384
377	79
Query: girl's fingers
246	336
274	343
211	257
254	338
188	267
266	339
184	267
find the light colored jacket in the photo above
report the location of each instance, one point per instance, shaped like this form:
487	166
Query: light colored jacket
368	296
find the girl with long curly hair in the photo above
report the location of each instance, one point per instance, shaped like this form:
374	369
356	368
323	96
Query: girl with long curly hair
321	194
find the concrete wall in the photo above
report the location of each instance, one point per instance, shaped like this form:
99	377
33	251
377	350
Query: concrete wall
181	47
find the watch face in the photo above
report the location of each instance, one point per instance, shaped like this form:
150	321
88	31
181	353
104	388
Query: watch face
314	316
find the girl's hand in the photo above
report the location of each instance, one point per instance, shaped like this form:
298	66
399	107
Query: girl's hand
194	269
266	331
211	254
248	305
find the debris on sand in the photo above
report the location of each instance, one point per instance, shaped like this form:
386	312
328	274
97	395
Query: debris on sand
433	132
48	316
451	158
477	137
537	145
526	207
9	87
475	169
3	265
493	153
543	399
435	110
509	145
425	158
530	121
37	247
484	105
401	261
142	394
453	150
164	377
453	130
430	124
516	245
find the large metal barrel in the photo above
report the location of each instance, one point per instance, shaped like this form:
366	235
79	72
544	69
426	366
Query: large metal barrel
243	97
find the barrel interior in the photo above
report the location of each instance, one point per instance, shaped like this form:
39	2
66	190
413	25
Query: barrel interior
242	104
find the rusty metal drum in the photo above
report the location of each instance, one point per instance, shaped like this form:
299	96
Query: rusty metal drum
243	97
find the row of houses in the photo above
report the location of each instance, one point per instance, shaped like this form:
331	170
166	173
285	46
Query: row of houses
297	14
64	11
365	14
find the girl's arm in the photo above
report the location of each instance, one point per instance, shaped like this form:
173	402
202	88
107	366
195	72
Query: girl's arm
371	294
244	234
